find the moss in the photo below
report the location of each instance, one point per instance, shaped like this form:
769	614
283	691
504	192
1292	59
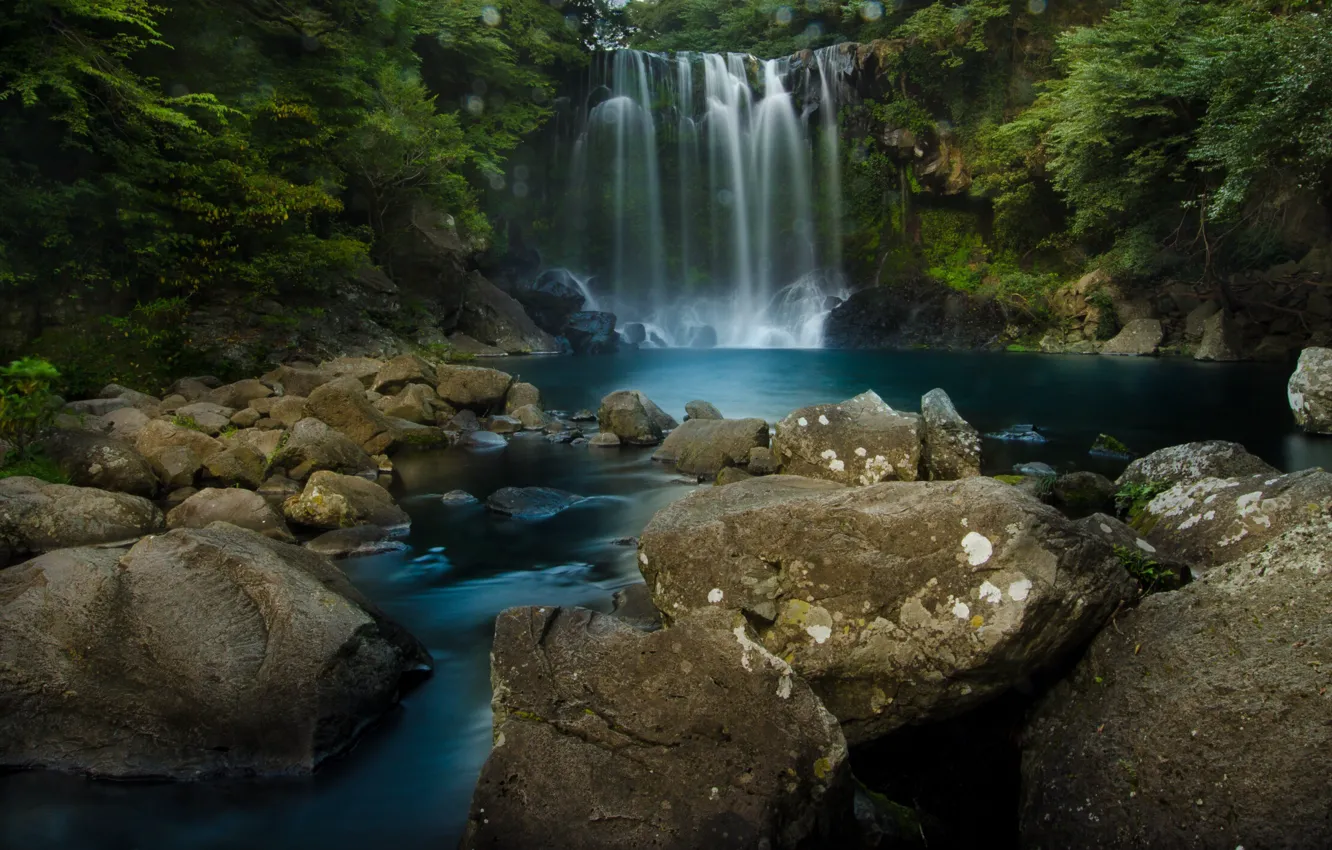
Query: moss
185	422
1108	445
35	465
1012	480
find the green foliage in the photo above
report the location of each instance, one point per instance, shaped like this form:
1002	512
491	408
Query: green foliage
185	421
1107	444
1151	576
28	406
446	352
34	464
1132	499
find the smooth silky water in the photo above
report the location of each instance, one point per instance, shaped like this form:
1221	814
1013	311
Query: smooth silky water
408	782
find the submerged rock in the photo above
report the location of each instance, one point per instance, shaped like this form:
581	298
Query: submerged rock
900	603
742	756
356	541
952	448
458	497
1200	719
1310	391
858	441
591	332
531	502
1018	434
706	446
199	653
484	440
330	500
38	517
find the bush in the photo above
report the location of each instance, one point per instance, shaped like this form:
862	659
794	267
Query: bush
27	404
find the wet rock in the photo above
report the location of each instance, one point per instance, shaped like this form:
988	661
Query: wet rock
703	336
635	333
951	446
457	498
1192	462
239	466
1220	338
531	502
474	388
604	440
551	298
1018	434
1107	446
503	424
731	475
591	332
1219	519
1310	391
584	415
742	756
355	542
521	394
1139	338
330	500
417	403
93	460
858	441
1035	469
200	653
634	418
401	372
701	410
312	446
484	440
239	395
762	462
1081	492
38	517
531	418
900	603
1200	719
494	318
633	605
241	508
706	446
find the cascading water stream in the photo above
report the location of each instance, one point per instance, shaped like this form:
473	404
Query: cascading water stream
750	183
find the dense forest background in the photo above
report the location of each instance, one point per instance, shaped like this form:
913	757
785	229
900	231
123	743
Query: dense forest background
154	156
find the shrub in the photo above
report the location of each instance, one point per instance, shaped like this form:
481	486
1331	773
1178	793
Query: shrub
27	404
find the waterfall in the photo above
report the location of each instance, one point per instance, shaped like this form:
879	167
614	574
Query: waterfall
726	149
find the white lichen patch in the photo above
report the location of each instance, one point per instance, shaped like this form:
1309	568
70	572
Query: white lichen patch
749	647
823	420
961	610
977	548
860	451
715	595
989	593
837	465
1145	546
1105	528
1020	589
828	454
802	422
876	469
819	633
642	557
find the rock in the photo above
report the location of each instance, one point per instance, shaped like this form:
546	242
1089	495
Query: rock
354	542
239	507
1081	492
950	445
97	406
206	417
633	604
1035	469
457	498
240	466
173	401
1199	720
239	395
245	418
312	446
331	500
1192	462
400	372
584	415
1018	434
363	369
417	403
1107	446
464	344
1220	338
193	389
521	395
704	336
531	502
503	425
731	475
862	590
591	332
1139	337
140	401
200	653
1277	347
859	441
38	517
551	298
289	410
635	333
1195	321
176	498
93	460
762	462
706	446
465	420
1310	391
1219	519
1129	546
484	440
494	318
342	405
633	417
176	454
473	388
126	423
531	417
701	410
277	489
604	440
742	755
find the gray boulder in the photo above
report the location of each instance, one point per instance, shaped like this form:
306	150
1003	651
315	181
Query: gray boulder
900	603
241	508
199	653
342	405
363	369
416	403
1082	492
633	605
1200	720
1310	391
126	423
239	395
97	406
604	440
1195	321
858	441
762	462
1191	462
1139	338
356	541
1220	338
531	418
742	756
206	416
634	418
706	446
484	440
176	454
521	394
951	447
550	298
531	502
93	460
38	517
297	381
330	500
591	332
400	372
494	318
474	388
731	475
239	466
701	410
312	446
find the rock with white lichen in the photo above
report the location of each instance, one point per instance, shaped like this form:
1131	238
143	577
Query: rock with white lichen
1215	520
952	447
742	755
1201	719
858	441
1310	391
901	603
1191	462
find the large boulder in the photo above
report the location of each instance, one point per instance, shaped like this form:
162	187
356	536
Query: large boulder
239	466
1220	338
742	754
705	446
1200	720
699	409
1310	391
1218	519
1139	338
400	372
239	395
551	298
952	448
858	441
494	318
199	653
301	382
1191	462
342	405
474	388
93	460
330	500
901	603
241	508
204	416
521	395
312	446
37	517
175	453
417	403
591	332
363	369
634	418
126	423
